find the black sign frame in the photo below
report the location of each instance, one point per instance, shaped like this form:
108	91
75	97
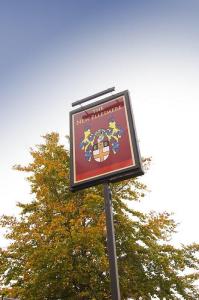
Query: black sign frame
114	176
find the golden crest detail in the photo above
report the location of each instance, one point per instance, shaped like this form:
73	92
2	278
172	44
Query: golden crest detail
100	144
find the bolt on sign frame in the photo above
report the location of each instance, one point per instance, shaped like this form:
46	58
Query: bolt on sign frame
104	145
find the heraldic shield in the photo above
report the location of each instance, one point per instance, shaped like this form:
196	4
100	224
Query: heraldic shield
101	151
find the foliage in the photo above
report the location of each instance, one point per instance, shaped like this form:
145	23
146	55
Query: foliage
58	243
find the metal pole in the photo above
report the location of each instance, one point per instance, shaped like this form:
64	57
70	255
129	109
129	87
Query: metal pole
115	289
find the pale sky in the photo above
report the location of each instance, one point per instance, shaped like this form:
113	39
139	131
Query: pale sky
53	53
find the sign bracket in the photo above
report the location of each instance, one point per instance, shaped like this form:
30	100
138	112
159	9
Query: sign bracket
78	102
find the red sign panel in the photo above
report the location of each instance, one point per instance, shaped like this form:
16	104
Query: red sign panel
102	141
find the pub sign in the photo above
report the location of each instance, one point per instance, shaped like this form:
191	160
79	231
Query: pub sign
104	146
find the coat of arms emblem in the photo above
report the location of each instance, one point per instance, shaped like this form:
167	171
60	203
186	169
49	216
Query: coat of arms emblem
100	144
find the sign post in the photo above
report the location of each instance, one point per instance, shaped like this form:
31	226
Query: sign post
115	288
103	150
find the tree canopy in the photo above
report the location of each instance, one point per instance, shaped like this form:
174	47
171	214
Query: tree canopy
58	248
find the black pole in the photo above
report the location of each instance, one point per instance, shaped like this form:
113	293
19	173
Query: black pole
115	288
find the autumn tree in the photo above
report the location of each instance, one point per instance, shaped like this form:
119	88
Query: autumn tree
58	243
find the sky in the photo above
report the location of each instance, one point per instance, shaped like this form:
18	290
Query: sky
53	53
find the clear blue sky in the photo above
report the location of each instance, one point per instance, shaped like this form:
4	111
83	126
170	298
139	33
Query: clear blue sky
55	52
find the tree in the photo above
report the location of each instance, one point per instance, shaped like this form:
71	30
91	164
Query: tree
58	243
